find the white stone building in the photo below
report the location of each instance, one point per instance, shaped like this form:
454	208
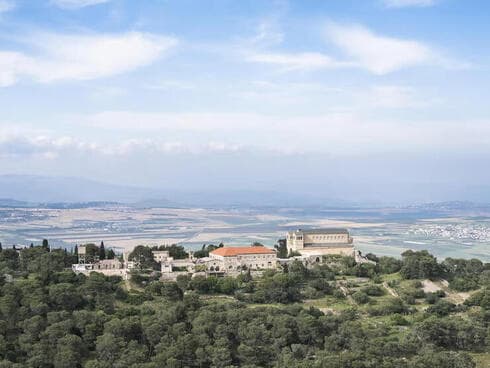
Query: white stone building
319	242
160	255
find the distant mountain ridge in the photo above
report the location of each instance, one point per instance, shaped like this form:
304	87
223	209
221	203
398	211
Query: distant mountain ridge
45	189
70	192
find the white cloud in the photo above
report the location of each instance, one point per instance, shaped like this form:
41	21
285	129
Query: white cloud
76	4
341	133
82	57
298	61
6	6
360	48
268	33
408	3
379	54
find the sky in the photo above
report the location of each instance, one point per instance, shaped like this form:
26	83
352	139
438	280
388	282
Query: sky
350	99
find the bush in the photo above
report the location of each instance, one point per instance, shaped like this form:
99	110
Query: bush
373	290
360	297
337	293
420	265
441	308
464	283
431	298
394	306
481	299
399	320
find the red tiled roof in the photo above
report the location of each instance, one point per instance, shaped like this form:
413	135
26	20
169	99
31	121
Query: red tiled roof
235	251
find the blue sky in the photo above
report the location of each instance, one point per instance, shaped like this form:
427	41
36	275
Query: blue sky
341	98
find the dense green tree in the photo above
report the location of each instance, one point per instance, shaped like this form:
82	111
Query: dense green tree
206	249
143	256
111	254
174	250
431	359
389	265
282	249
51	317
420	265
69	352
9	260
481	298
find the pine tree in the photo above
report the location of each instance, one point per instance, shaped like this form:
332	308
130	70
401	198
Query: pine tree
1	247
45	244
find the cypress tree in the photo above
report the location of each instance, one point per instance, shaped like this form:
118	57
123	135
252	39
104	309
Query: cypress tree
102	251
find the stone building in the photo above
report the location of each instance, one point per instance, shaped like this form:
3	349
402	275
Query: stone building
160	255
108	264
232	259
84	258
319	242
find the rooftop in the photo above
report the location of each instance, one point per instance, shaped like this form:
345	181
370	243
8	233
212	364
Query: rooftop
330	230
235	251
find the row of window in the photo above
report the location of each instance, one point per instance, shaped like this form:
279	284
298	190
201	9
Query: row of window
328	237
240	267
257	257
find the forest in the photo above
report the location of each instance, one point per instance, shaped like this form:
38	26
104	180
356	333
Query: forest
334	314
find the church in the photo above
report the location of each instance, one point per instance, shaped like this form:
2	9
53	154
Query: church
319	242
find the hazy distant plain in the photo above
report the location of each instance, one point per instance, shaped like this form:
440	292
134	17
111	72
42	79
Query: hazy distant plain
381	231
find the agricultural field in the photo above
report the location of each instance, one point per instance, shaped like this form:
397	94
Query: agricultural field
379	231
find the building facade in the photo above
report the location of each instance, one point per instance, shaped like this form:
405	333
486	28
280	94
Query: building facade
318	242
160	255
233	259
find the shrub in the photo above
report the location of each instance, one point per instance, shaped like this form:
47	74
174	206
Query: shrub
360	297
373	290
441	308
398	319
